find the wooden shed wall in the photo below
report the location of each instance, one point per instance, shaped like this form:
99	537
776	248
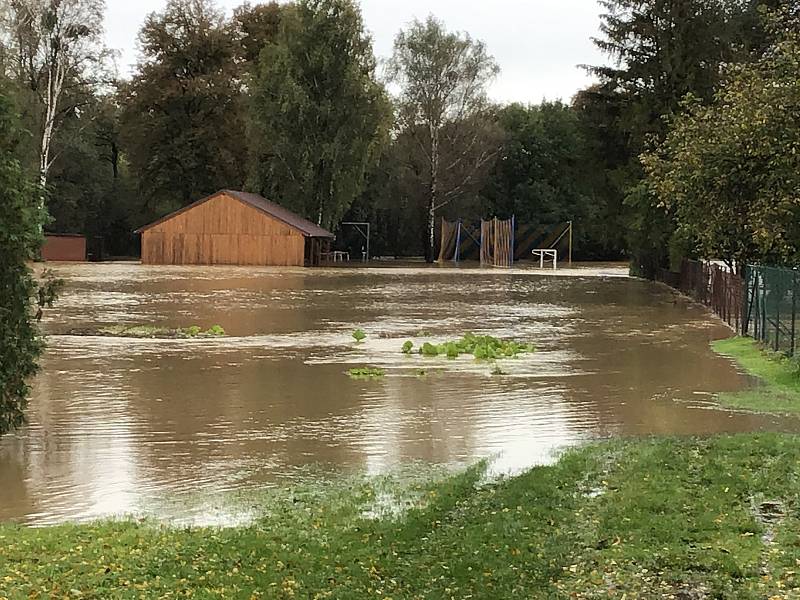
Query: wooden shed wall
67	248
223	231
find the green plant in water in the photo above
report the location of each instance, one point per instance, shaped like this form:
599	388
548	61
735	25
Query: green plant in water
366	373
481	347
216	331
429	349
152	331
359	335
408	347
194	332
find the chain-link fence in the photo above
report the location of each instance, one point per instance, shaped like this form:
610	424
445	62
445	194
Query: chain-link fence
770	307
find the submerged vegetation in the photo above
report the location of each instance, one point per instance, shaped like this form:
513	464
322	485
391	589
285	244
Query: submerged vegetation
482	347
151	331
779	387
366	373
667	518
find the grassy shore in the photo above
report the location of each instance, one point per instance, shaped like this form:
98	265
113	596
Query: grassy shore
680	518
778	389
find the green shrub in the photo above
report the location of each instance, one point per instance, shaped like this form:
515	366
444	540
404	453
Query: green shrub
22	217
359	335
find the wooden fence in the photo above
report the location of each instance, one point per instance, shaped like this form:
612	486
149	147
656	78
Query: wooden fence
713	285
497	243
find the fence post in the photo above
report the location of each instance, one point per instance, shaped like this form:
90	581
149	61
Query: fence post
757	305
762	305
794	311
745	300
777	324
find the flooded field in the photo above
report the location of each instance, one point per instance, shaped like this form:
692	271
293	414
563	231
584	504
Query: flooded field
175	428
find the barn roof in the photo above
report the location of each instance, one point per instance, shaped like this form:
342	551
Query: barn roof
304	226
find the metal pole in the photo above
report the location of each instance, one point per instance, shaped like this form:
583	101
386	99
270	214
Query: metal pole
570	244
777	324
794	311
458	242
513	234
368	235
762	304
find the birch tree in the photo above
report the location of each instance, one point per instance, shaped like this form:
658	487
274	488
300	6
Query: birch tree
443	78
53	44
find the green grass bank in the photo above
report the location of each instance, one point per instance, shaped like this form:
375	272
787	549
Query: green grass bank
660	518
778	388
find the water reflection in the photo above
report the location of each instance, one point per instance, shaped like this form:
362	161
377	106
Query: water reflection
120	426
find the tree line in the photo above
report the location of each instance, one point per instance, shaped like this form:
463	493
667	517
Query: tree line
288	100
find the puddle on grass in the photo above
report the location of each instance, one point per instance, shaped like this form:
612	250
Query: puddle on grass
130	426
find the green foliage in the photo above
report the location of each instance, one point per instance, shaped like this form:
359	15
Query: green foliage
366	373
182	117
359	335
21	218
192	331
408	346
540	176
662	50
648	519
318	114
256	27
215	331
428	349
481	347
730	169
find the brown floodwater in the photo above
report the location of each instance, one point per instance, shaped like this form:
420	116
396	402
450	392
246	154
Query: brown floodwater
172	428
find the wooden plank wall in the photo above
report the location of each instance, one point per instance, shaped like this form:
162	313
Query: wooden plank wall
70	248
223	231
497	238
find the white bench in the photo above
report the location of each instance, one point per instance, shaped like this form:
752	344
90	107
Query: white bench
543	253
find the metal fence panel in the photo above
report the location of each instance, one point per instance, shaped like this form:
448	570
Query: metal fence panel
770	310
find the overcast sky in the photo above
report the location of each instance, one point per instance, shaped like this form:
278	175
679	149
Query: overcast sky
538	43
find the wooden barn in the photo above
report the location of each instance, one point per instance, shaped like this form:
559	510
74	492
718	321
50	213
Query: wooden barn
234	228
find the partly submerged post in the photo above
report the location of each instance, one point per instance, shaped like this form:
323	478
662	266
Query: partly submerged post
513	234
458	242
570	244
483	240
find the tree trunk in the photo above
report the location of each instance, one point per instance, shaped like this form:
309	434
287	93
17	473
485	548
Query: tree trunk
56	73
430	250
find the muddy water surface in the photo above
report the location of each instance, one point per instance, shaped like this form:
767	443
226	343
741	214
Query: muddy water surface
170	427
